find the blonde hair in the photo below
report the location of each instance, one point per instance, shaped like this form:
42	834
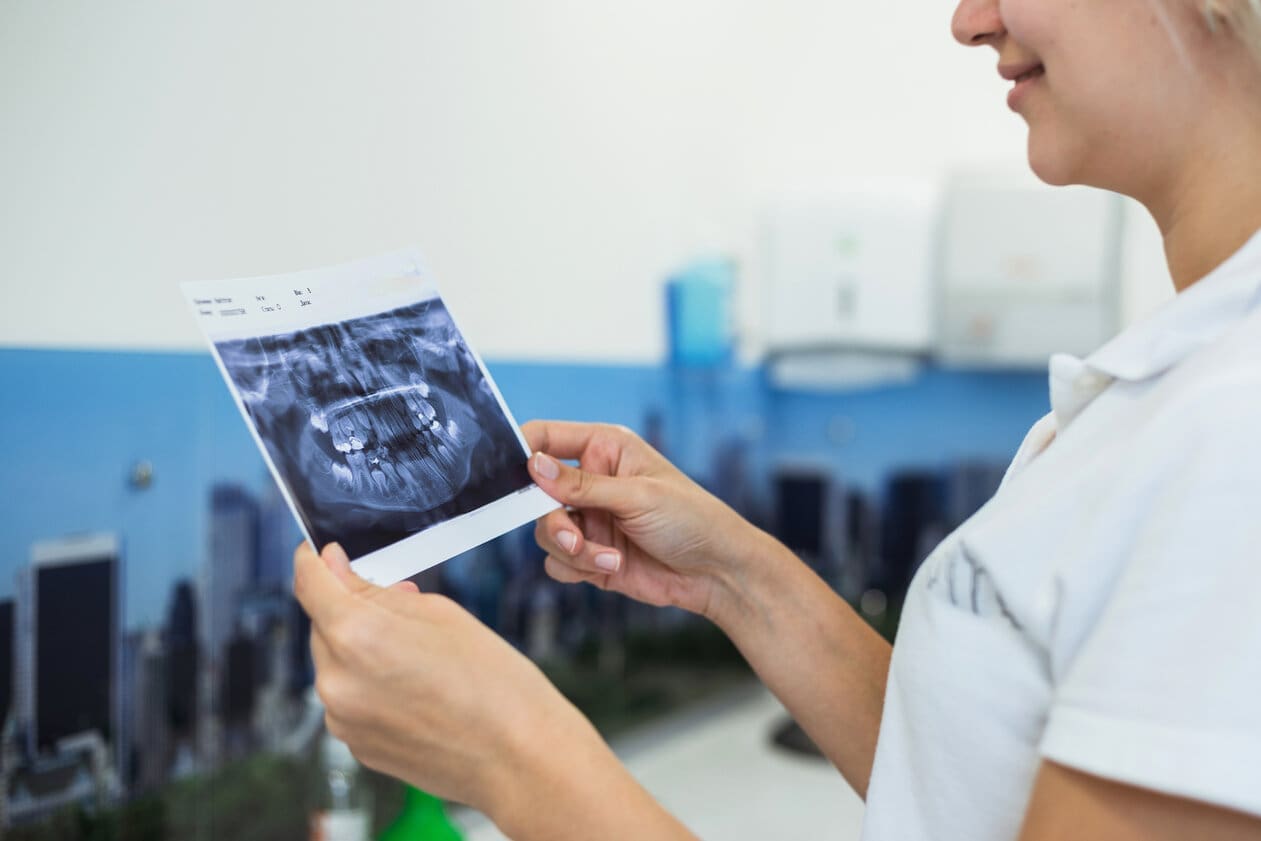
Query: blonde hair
1240	17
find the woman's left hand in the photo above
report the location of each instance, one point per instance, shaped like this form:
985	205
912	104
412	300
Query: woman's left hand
421	690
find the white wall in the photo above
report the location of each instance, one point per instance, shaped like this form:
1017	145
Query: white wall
554	159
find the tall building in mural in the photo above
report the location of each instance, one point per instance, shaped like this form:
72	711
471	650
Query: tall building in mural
183	663
278	534
70	639
69	743
150	752
238	692
243	695
230	564
7	664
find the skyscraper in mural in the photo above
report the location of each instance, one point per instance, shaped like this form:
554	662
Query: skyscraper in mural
183	658
65	749
7	664
278	534
150	750
230	564
244	597
70	607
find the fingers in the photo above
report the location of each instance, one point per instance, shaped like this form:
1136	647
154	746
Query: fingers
321	654
559	530
573	486
317	588
325	584
557	536
406	586
563	439
566	574
339	563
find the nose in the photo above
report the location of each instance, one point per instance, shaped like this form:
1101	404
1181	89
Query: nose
977	23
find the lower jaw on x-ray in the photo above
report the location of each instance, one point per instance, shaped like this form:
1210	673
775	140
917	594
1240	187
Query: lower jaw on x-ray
380	426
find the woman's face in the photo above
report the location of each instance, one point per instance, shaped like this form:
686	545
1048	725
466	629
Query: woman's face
1109	87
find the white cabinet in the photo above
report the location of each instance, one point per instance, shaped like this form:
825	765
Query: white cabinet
1027	271
852	272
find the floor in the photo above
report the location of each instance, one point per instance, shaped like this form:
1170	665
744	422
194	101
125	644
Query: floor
715	768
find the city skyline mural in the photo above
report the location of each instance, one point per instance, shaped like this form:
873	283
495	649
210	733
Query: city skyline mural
142	534
145	614
122	443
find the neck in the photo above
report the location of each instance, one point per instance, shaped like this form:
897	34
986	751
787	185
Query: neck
1214	206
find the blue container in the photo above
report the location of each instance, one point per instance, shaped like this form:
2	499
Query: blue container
699	313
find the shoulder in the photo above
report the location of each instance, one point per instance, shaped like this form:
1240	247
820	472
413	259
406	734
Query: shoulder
1211	404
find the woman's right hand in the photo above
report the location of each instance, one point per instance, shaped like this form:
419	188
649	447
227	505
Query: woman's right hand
676	544
635	524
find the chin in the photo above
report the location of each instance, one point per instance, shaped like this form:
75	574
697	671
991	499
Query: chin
1050	162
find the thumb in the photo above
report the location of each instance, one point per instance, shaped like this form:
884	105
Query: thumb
338	562
620	496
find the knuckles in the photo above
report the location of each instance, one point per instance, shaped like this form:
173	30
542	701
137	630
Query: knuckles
353	635
342	696
620	431
579	485
333	691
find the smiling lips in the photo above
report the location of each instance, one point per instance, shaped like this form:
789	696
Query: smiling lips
1023	74
1019	71
1030	74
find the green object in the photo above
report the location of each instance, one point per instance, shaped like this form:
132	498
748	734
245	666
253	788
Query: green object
423	819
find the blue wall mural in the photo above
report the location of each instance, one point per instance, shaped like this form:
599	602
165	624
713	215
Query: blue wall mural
149	449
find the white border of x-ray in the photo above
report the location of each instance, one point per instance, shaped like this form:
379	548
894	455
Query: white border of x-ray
340	293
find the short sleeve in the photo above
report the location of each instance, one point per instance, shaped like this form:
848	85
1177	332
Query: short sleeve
1163	689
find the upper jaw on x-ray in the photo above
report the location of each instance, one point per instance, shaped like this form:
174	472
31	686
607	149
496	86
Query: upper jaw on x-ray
380	421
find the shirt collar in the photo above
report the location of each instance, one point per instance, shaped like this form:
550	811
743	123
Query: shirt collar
1193	319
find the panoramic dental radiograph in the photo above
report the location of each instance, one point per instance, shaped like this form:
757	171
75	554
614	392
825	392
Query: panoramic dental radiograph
381	426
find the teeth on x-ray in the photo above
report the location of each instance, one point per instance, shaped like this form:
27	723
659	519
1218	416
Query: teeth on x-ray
381	426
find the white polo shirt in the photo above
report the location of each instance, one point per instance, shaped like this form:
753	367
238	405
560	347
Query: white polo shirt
1104	610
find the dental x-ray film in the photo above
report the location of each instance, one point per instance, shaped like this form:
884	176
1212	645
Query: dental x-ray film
379	422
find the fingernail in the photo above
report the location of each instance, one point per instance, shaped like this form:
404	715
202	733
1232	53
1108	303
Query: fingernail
607	561
568	540
336	550
546	466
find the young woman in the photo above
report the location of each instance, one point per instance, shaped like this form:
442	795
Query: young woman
1081	659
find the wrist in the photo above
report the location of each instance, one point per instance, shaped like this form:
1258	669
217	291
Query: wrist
571	788
545	767
745	577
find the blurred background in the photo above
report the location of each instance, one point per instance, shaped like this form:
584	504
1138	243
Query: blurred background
791	244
